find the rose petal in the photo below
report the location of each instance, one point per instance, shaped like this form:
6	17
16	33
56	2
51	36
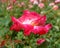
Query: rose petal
13	19
48	27
26	11
36	29
27	30
15	27
41	30
43	20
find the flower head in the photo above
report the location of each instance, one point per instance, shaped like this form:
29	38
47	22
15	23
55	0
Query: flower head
52	4
41	5
9	7
31	22
57	1
40	41
55	7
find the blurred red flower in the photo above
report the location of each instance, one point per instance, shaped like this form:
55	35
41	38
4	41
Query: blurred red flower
40	41
31	22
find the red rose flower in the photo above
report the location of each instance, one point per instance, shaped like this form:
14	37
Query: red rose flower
31	22
40	41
